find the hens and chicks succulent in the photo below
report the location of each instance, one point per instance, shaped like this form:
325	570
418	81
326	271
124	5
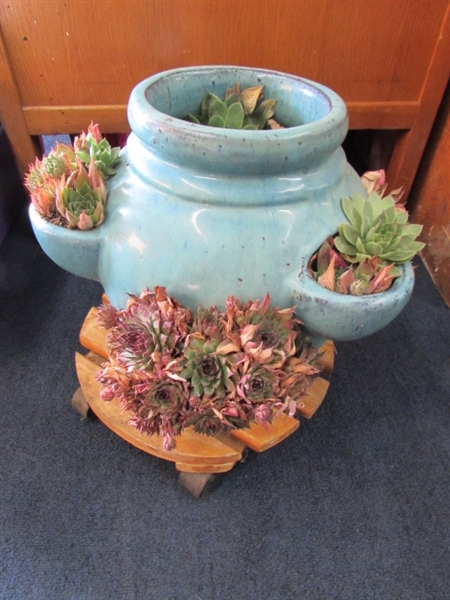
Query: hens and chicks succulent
67	186
239	110
365	255
214	371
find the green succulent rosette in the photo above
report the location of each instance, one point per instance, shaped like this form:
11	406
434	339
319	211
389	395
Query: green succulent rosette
239	110
59	161
377	227
206	366
82	205
366	254
93	148
104	156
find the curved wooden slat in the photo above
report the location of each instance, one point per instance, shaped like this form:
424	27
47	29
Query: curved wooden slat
212	454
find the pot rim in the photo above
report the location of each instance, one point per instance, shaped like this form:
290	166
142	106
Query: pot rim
47	227
400	284
169	136
326	95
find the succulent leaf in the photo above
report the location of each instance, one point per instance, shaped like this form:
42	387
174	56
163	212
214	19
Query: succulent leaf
351	210
216	121
266	109
193	119
323	256
349	232
344	246
206	102
235	116
231	98
217	108
374	181
254	121
250	97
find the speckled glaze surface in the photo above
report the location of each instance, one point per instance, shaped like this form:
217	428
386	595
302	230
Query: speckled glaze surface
209	212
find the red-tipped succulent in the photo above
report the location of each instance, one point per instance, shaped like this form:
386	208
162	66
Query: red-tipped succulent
67	187
212	371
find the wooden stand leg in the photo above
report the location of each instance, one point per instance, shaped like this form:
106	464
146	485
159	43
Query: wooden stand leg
79	403
198	484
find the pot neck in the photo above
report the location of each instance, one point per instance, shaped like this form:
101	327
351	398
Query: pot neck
198	182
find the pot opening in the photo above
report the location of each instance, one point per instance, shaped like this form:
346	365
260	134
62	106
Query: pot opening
298	101
338	273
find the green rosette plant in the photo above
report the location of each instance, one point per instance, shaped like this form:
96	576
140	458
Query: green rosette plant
81	199
365	255
238	110
376	227
59	161
206	365
93	147
213	371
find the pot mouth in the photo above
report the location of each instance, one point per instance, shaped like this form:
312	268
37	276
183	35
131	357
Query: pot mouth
406	279
300	102
43	226
312	114
343	317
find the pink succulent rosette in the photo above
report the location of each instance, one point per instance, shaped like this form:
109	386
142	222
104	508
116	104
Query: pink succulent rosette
213	371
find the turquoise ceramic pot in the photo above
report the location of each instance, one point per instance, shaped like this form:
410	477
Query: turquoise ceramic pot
209	212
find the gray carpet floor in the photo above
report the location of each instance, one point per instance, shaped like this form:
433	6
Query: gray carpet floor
354	505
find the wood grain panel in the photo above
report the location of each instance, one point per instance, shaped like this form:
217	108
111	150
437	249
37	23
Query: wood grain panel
11	115
113	119
410	146
64	63
94	53
430	200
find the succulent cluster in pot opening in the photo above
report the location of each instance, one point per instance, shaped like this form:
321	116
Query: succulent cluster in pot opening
365	255
238	110
67	187
214	370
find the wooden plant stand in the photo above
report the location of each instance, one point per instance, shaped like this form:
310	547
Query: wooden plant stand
198	458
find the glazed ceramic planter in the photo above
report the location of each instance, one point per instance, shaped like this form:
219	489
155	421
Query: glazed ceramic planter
210	212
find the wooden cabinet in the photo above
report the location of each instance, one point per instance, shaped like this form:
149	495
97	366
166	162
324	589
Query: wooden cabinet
430	200
64	63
